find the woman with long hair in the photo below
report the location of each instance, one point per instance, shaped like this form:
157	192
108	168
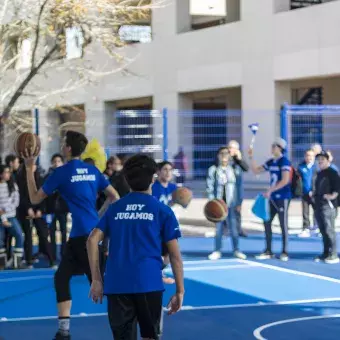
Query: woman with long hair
9	201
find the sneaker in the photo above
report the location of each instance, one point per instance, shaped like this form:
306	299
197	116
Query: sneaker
320	258
238	254
216	255
305	233
267	255
60	336
284	257
332	259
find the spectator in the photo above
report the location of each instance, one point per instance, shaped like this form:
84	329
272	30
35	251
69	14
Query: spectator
326	191
162	188
117	179
279	194
9	201
27	212
331	160
221	184
181	166
58	209
239	166
13	163
307	171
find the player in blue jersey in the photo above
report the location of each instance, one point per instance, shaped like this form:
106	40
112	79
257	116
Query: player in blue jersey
137	225
78	184
279	194
162	189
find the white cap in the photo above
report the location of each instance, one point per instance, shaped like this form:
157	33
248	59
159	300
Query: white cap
281	143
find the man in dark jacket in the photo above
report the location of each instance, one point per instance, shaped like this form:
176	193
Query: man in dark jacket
57	210
27	213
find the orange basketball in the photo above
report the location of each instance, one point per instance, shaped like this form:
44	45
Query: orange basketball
182	196
27	141
216	210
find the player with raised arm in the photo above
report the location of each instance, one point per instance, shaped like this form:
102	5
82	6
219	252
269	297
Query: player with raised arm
279	194
78	184
137	225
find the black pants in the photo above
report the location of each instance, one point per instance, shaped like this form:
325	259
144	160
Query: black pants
125	310
62	219
279	207
73	262
325	217
307	202
42	231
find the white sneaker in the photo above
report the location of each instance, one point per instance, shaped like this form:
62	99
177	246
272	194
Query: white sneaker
305	233
216	255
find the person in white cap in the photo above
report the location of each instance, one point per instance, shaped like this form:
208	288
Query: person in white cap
279	194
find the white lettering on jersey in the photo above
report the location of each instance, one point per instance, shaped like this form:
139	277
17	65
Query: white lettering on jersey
83	176
134	216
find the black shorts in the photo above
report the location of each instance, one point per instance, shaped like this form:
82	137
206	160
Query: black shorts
125	310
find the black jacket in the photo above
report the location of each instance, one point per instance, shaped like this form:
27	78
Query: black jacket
55	204
25	202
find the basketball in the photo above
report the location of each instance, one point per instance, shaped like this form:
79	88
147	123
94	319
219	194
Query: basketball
216	210
182	196
27	141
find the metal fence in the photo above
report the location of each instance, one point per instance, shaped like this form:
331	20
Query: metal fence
303	126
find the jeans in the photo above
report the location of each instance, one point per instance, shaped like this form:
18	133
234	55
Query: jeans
15	231
231	223
325	216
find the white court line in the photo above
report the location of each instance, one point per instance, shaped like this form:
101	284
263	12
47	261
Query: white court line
187	308
194	269
210	261
257	332
34	270
291	271
263	304
26	278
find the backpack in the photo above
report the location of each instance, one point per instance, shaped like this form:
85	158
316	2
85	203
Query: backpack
295	182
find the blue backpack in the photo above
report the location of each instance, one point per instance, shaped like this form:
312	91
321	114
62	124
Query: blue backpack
261	208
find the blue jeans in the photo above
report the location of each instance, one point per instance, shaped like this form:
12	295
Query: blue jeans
231	223
15	231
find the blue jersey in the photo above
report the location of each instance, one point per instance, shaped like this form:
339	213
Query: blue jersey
78	184
163	194
137	225
275	168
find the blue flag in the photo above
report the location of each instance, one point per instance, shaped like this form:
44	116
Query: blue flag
261	208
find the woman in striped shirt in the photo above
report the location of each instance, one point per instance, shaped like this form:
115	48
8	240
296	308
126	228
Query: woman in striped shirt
9	201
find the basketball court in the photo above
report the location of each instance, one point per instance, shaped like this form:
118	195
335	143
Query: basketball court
225	299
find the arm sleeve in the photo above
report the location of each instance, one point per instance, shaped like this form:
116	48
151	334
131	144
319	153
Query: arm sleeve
285	165
170	227
52	183
103	183
210	182
242	164
335	180
15	199
265	166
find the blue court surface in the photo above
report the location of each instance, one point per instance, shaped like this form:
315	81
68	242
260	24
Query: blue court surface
225	299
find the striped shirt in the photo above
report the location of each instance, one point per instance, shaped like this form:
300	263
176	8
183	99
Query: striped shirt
9	202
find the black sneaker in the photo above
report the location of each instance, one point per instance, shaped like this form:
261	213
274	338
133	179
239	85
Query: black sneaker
320	258
267	255
332	259
60	336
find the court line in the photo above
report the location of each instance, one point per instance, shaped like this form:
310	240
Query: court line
26	278
210	261
190	308
257	332
194	269
291	271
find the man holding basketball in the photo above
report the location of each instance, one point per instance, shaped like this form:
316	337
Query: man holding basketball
78	183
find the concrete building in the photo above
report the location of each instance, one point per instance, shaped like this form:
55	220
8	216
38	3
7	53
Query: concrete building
258	56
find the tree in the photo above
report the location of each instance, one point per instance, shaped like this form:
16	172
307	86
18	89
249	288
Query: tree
35	38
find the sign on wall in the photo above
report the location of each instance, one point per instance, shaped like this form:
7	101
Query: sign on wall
208	7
